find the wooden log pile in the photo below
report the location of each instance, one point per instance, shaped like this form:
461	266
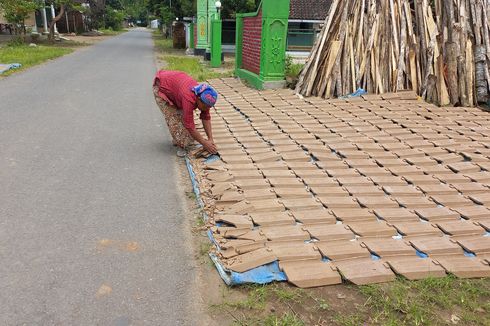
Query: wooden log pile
438	48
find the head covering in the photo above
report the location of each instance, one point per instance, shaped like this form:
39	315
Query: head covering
206	93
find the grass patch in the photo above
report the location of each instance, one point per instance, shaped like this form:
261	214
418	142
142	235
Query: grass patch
30	56
294	70
110	31
194	68
418	303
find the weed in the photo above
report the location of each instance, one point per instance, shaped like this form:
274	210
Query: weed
256	298
193	67
288	294
288	319
322	304
415	302
348	320
204	249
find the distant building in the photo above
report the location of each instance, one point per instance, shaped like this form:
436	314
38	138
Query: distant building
305	20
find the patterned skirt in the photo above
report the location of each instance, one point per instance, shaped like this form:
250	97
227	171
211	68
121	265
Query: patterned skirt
181	136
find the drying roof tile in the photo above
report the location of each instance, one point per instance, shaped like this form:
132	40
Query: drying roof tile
365	271
375	171
412	202
419	180
275	218
286	232
437	189
452	200
475	212
416	229
388	180
459	227
329	232
436	246
471	188
404	170
296	250
437	214
464	167
372	229
259	194
292	193
250	260
385	247
338	201
354	181
253	184
482	177
277	165
415	268
344	249
405	191
266	157
421	161
392	215
365	190
266	205
373	202
465	267
476	245
353	214
238	221
310	273
315	216
290	182
481	199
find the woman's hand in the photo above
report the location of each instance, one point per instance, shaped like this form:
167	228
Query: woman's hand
210	147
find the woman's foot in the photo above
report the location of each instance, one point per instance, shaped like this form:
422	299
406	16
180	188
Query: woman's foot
181	152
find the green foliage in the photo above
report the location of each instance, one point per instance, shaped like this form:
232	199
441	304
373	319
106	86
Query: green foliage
16	11
232	7
114	18
292	69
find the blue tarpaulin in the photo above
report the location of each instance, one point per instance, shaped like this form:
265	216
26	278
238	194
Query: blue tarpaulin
260	275
9	66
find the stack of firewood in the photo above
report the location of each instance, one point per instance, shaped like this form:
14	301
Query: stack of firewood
440	49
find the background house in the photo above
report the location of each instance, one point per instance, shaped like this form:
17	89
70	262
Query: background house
305	20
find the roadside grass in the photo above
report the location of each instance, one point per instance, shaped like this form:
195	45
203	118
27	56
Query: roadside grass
436	301
194	68
430	301
176	59
110	31
30	56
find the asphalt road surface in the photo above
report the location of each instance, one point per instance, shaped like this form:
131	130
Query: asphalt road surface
92	219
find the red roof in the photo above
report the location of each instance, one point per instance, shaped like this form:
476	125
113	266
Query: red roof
309	9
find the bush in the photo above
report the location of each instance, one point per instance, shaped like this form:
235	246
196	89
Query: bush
114	19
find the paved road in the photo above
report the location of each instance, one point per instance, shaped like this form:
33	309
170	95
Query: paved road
92	225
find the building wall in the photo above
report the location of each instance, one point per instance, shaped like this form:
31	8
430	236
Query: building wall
252	41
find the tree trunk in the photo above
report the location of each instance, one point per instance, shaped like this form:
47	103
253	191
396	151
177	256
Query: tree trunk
54	21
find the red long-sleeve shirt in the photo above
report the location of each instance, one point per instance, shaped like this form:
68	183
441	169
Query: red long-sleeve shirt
175	88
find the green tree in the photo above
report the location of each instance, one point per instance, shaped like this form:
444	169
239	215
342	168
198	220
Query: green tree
63	6
114	18
16	12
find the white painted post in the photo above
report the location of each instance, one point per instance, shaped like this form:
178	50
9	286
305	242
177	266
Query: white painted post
53	13
45	19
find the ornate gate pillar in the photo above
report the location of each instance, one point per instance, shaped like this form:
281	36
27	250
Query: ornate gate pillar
202	27
261	44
